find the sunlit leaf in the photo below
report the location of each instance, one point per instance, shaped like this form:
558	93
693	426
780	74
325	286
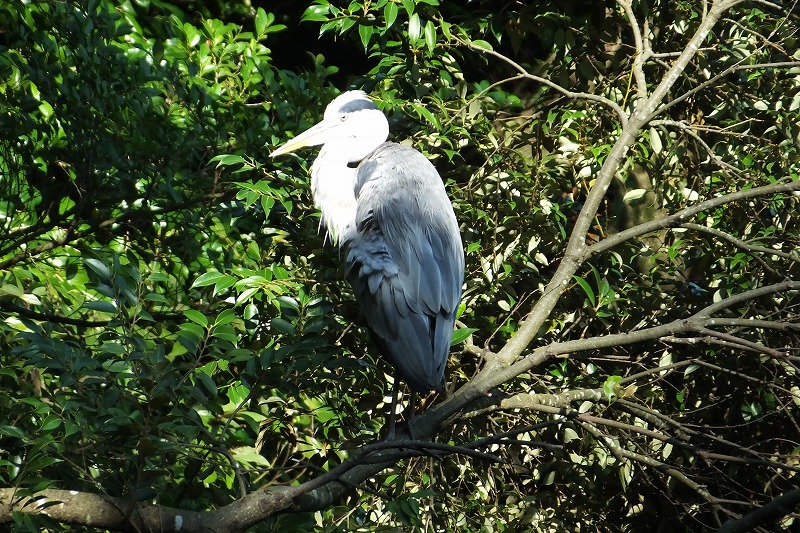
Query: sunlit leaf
461	334
196	316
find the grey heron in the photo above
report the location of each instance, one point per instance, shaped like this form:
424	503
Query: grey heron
386	207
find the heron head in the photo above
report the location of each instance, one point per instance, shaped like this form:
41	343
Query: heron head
353	126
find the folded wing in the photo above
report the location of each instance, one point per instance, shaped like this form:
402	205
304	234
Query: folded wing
405	262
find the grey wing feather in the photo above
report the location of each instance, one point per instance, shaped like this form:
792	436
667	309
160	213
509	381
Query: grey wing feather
405	261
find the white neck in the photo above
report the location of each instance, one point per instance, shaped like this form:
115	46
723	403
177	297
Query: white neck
332	180
332	186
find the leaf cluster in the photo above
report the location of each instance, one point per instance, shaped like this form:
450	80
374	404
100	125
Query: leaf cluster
174	328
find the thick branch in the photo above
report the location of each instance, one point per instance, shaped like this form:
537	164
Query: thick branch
679	218
118	514
764	516
695	324
743	245
576	252
736	299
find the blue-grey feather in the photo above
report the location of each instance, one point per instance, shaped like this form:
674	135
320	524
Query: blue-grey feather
357	105
405	261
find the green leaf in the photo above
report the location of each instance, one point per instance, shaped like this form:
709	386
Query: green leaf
11	431
261	21
414	28
282	326
207	383
430	36
249	455
225	332
208	278
98	267
390	13
267	202
288	302
50	423
228	160
197	317
224	283
425	112
445	26
365	32
46	110
480	43
11	290
611	386
225	317
634	194
316	13
100	305
39	463
246	294
587	289
655	141
30	299
155	297
460	335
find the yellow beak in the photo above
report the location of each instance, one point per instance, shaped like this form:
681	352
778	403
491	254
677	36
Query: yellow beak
314	136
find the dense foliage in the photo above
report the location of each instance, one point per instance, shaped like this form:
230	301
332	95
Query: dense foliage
175	330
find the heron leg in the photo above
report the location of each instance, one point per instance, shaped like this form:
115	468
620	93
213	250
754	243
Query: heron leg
390	434
412	412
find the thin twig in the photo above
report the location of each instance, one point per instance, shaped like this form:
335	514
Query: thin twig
680	217
740	243
623	117
641	54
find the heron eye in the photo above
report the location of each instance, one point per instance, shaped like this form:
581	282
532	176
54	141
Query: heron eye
343	118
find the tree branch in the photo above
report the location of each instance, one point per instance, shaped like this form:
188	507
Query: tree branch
740	243
765	515
695	324
576	252
620	452
679	218
125	515
642	53
689	130
524	74
739	65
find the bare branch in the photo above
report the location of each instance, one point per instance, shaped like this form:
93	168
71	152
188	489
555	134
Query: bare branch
620	452
483	92
690	131
740	243
623	117
739	65
765	515
736	299
576	252
694	324
681	216
744	343
642	54
561	399
754	323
